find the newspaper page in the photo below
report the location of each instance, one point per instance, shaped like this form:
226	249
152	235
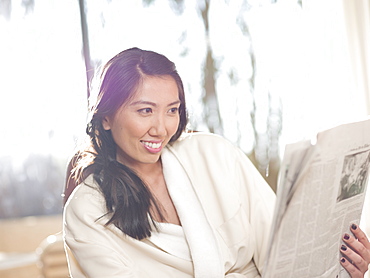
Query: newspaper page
321	192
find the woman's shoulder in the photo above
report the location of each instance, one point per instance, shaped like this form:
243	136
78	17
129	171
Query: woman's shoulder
85	195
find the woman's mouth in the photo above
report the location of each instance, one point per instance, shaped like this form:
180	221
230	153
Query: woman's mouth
153	147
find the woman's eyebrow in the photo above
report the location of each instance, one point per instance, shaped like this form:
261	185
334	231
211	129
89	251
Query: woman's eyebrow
143	102
152	103
175	102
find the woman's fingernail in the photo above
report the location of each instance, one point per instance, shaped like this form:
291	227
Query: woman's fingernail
346	236
354	226
343	247
343	260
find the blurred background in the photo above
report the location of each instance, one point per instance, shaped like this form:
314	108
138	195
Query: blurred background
262	73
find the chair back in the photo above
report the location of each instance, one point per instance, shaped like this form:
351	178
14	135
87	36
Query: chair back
52	259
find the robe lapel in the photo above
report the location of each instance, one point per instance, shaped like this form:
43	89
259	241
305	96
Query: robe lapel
198	232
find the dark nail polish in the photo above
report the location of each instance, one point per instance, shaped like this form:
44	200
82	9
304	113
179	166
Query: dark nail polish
354	226
346	236
343	260
343	247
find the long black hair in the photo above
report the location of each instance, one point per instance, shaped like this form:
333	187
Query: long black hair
130	205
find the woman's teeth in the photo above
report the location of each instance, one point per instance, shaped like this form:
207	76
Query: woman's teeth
152	145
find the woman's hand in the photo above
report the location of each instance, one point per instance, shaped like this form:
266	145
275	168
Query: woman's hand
356	252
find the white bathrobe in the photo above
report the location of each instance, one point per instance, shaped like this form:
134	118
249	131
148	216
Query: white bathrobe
224	205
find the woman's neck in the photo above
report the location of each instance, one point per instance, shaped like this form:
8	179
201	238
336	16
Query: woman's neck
149	171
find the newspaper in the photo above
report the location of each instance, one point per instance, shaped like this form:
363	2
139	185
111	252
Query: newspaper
321	191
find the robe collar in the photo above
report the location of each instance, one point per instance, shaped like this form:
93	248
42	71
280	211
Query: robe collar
199	234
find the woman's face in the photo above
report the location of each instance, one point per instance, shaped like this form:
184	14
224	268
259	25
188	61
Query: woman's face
143	125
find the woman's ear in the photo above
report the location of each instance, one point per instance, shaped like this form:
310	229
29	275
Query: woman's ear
106	123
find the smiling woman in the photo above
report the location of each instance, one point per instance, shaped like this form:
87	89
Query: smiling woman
137	113
155	194
146	123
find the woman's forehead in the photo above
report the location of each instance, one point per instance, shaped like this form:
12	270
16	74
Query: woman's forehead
155	89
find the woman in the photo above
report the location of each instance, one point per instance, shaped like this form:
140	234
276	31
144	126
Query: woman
155	201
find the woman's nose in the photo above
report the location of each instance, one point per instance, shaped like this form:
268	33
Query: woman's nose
158	127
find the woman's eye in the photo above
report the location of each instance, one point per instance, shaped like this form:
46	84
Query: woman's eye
145	110
174	110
